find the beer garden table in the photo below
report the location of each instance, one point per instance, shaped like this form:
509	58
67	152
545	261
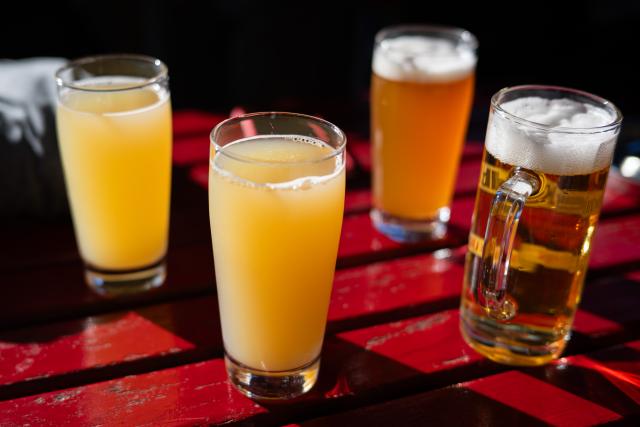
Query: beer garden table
393	354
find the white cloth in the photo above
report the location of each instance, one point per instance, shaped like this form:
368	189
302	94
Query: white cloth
31	180
26	86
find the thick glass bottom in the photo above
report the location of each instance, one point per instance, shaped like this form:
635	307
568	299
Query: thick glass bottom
116	283
405	230
515	345
259	384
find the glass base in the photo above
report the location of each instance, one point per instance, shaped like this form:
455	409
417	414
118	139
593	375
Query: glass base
116	283
406	230
517	347
258	384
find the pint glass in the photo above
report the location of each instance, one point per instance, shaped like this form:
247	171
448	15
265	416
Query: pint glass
547	156
276	199
114	131
421	92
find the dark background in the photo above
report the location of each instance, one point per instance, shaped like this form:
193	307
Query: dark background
314	57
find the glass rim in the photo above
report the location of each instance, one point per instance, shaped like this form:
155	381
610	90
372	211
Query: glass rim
602	102
335	151
160	76
465	37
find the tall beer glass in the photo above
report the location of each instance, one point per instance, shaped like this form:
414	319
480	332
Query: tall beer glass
276	198
114	130
421	92
547	156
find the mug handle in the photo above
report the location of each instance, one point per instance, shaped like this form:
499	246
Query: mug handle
502	224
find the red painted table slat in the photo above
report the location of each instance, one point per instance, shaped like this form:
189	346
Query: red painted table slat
191	149
27	355
616	242
360	149
362	296
355	364
41	353
194	122
541	400
360	242
416	283
576	391
191	394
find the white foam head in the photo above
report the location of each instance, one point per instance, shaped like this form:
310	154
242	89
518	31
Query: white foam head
418	58
566	144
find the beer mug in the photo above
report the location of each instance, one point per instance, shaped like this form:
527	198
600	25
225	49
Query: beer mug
547	156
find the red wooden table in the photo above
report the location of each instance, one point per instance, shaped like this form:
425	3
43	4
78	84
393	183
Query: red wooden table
392	356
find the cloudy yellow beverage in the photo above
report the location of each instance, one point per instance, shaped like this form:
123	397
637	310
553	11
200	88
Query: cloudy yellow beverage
276	207
116	151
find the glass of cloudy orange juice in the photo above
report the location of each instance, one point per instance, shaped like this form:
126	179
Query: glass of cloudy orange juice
114	130
421	92
276	199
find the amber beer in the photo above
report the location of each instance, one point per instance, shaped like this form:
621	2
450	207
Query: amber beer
421	93
569	166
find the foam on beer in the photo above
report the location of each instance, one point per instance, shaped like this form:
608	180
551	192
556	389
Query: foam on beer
422	59
556	151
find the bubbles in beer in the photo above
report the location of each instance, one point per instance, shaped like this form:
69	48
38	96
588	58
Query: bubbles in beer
422	59
555	150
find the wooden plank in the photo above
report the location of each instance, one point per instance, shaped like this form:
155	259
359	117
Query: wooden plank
191	149
359	367
615	243
607	314
357	200
575	391
108	346
355	365
194	122
152	399
360	149
362	296
361	243
395	289
63	294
